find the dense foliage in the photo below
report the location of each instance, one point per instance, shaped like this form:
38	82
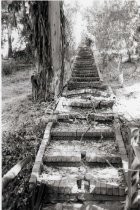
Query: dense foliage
114	26
16	30
114	29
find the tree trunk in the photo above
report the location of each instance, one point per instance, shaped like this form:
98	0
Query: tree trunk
120	70
49	44
56	47
10	52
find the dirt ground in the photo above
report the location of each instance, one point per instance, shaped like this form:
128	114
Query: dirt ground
23	125
127	104
128	100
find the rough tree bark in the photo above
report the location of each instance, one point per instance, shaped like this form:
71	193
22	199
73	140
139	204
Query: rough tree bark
48	35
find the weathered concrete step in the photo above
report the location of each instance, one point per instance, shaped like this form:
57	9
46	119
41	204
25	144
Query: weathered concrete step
87	91
79	188
79	64
74	159
85	54
84	61
113	176
97	104
83	64
62	158
83	68
79	85
56	197
65	153
108	147
85	71
85	79
83	47
85	51
67	104
87	59
94	205
79	74
103	173
100	117
90	77
74	131
84	75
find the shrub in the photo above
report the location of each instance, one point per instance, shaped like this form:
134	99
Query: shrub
8	66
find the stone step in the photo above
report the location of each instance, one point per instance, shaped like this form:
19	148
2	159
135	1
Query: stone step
79	85
65	153
84	48
81	79
99	117
84	74
81	74
84	57
90	104
85	70
85	51
87	59
85	54
97	104
84	62
85	92
102	117
70	187
89	205
60	187
74	159
81	59
83	66
81	131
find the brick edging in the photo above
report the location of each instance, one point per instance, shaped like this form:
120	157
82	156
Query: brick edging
121	145
38	161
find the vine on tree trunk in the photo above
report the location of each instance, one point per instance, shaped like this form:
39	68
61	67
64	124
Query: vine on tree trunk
43	38
41	44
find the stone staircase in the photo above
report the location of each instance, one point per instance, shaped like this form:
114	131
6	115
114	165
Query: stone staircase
85	74
80	161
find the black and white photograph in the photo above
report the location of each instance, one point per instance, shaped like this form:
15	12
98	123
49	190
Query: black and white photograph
70	105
